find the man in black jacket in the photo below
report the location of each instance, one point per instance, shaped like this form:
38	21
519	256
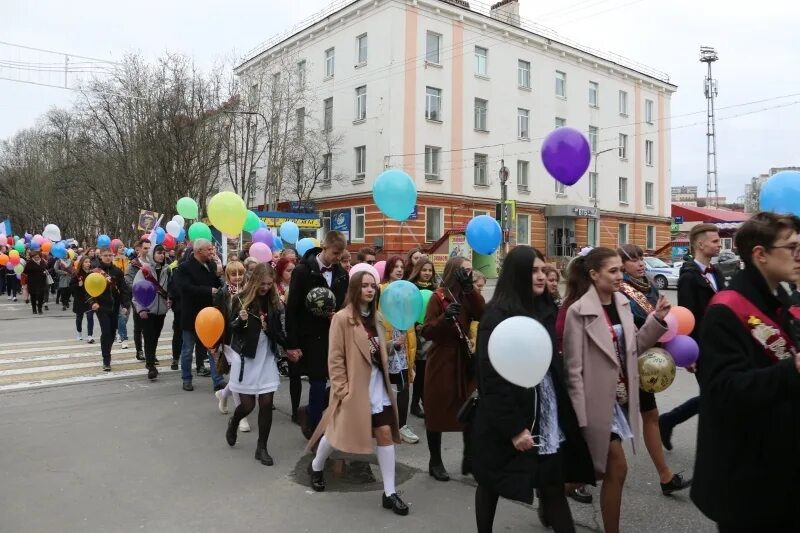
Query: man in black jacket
697	284
307	334
747	464
114	300
197	282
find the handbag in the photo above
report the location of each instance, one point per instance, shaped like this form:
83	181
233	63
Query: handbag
467	412
48	277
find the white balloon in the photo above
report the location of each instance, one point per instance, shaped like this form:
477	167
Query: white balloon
179	219
520	350
173	228
51	232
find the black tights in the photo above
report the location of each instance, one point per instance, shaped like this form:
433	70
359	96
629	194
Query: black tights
552	499
247	402
435	445
295	387
402	406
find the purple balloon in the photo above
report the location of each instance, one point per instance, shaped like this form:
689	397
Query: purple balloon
144	292
683	349
263	235
566	155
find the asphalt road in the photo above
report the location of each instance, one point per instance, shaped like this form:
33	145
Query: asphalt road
131	455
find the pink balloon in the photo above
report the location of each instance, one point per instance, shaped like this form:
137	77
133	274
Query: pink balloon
116	243
38	239
672	328
260	252
380	266
365	267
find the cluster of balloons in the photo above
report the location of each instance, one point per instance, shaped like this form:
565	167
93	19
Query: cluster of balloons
677	342
781	193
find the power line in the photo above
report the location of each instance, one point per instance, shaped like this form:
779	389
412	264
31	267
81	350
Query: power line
57	53
75	89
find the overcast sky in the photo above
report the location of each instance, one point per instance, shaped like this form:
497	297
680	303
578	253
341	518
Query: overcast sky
757	45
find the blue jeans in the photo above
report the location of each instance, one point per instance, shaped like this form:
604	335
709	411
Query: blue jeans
122	327
187	348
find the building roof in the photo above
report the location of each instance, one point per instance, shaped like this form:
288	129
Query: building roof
707	214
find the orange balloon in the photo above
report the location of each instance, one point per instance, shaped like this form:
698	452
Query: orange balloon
209	326
3	259
46	245
685	319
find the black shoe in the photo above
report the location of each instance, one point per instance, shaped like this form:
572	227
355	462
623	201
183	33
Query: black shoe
106	368
466	466
394	503
152	373
580	495
263	455
187	386
675	484
541	514
666	434
438	472
174	365
46	308
203	372
230	434
317	479
139	356
219	387
418	411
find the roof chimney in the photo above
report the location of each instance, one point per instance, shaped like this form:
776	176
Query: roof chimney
506	11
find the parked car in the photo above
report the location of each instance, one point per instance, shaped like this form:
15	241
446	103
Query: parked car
661	274
728	264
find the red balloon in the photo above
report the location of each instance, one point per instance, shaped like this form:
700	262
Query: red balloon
169	242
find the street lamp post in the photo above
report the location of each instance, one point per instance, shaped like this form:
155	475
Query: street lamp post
597	192
267	204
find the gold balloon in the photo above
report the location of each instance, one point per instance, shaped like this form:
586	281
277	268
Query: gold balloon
656	370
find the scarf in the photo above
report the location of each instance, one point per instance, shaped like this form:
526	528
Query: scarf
424	285
233	290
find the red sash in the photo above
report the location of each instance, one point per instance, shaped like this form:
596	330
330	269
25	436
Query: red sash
777	345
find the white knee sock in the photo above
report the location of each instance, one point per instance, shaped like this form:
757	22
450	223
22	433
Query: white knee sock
386	462
324	450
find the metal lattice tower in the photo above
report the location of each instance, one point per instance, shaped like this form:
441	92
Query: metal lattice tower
709	55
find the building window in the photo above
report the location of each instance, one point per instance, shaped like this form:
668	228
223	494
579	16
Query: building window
648	153
328	165
361	49
325	221
361	102
358	224
524	74
623	190
622	235
560	190
560	122
481	58
593	185
361	162
648	111
433	103
480	114
594	94
298	169
432	162
433	224
477	213
522	174
480	169
648	193
276	85
301	74
650	238
561	84
591	232
593	138
623	146
328	114
301	121
433	43
623	103
523	229
330	62
523	118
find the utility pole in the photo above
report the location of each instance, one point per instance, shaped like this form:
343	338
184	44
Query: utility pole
503	208
709	55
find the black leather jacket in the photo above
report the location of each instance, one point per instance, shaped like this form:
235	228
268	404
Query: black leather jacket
242	335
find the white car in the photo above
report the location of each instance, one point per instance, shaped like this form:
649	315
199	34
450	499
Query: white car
661	274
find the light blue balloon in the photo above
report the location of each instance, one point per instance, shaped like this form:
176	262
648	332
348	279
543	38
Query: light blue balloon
35	246
395	194
290	232
160	235
182	235
304	245
262	224
103	241
277	244
484	234
59	251
401	304
781	193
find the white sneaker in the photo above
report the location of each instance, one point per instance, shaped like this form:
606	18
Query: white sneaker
90	340
124	345
408	436
9	298
80	336
117	339
223	402
244	426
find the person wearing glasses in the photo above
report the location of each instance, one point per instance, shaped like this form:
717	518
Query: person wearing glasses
748	433
366	255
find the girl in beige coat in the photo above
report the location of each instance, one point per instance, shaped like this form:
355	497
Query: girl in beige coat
601	347
362	402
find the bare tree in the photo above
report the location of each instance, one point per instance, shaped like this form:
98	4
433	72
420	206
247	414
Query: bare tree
312	164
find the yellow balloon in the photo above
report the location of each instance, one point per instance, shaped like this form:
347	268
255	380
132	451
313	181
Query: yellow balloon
95	284
227	212
71	253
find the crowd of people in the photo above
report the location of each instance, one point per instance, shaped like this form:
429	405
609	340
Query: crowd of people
312	317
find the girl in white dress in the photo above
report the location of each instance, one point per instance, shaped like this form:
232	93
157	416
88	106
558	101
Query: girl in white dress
255	331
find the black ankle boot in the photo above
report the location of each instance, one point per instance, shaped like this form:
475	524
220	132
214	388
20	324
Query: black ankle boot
438	472
263	455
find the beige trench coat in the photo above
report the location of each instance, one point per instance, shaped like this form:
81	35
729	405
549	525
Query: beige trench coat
593	368
347	422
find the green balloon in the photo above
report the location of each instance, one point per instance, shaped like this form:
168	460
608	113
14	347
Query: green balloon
198	230
187	208
251	223
426	297
20	247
